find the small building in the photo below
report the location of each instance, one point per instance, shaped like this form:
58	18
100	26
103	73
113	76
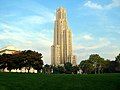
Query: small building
9	50
74	58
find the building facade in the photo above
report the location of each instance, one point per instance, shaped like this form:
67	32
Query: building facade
9	50
61	50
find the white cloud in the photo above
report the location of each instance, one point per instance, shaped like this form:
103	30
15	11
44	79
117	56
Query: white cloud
93	5
84	37
25	33
25	39
41	14
36	19
102	42
103	47
88	37
110	54
115	3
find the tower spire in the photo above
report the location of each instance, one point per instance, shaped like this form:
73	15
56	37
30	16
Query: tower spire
61	13
61	50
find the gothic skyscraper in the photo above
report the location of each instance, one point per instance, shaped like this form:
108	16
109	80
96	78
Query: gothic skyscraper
61	50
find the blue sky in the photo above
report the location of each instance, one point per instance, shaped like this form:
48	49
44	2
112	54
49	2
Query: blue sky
29	24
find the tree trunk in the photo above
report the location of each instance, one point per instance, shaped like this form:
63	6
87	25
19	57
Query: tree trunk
28	69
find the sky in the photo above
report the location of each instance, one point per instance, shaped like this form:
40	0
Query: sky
29	24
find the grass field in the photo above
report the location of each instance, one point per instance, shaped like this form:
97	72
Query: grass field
22	81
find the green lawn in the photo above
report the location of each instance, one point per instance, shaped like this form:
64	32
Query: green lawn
22	81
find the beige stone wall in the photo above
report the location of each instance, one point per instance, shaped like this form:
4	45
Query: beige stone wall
61	51
74	58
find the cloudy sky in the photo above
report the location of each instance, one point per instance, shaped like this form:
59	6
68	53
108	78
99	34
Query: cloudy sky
29	24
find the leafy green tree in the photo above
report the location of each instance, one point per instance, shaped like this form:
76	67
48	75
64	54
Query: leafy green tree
31	59
18	60
86	66
55	70
38	65
117	60
10	63
112	67
47	69
96	64
105	66
75	69
97	61
61	69
3	61
25	58
28	59
7	61
68	68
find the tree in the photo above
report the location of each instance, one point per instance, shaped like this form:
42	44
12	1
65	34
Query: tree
22	59
31	59
61	69
75	69
117	60
10	62
105	66
112	67
97	62
47	69
7	61
18	59
86	66
68	68
3	61
55	70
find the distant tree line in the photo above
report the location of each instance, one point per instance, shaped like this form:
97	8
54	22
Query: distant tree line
22	59
93	65
30	59
66	69
96	64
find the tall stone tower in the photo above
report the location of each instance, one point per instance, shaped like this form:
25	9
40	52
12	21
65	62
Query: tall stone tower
61	50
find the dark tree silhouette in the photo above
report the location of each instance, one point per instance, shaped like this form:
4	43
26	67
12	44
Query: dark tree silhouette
68	68
22	59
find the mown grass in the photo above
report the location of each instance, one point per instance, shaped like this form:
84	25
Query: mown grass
24	81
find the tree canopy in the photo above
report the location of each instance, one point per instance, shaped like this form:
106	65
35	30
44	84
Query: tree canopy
22	59
96	64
